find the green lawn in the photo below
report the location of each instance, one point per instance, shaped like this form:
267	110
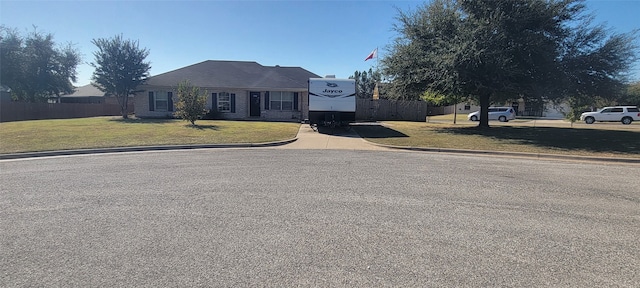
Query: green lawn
607	140
460	118
103	132
597	140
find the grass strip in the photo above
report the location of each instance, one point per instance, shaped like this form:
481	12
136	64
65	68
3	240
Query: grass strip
106	132
547	140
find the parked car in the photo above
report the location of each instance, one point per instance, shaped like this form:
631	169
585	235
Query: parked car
624	114
503	114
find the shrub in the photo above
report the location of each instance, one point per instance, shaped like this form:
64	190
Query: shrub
192	102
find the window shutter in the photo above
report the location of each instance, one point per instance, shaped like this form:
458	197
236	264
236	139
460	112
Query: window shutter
170	100
266	100
233	103
152	103
214	101
295	101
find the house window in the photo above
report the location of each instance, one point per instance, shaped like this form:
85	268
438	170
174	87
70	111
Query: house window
224	102
467	107
281	100
160	101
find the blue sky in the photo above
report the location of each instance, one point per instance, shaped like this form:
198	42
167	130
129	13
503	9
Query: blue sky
324	37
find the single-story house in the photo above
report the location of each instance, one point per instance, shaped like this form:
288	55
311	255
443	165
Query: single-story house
89	94
235	89
83	94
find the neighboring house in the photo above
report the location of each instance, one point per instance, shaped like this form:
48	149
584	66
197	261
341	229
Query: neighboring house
235	89
83	94
90	94
526	109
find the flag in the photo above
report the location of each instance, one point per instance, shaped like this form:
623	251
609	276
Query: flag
372	55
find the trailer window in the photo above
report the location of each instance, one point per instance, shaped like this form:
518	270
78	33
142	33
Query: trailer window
281	100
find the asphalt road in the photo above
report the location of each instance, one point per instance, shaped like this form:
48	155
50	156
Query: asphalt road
338	218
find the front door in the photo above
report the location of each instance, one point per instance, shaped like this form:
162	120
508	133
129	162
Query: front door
254	104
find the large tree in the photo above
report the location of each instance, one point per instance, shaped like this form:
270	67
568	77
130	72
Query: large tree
34	67
595	65
501	50
631	95
120	68
366	82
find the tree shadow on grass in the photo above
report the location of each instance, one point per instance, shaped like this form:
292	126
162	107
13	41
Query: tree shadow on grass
161	121
593	140
202	127
378	131
142	120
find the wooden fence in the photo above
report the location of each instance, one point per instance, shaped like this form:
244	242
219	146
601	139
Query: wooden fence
385	109
366	109
17	111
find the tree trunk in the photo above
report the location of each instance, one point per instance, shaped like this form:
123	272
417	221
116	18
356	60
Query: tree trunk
484	110
124	105
455	112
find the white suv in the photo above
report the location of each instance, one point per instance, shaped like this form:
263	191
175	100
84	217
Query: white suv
503	114
624	114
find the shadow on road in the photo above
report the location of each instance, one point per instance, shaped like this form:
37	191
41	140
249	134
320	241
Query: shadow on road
337	131
378	131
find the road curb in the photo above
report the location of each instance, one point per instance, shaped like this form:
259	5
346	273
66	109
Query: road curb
139	149
280	143
513	154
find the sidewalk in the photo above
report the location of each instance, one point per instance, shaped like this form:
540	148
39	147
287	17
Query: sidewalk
342	138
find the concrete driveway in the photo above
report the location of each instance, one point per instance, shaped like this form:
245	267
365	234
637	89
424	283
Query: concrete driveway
339	138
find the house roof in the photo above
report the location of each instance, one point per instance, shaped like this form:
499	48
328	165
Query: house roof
235	74
86	91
